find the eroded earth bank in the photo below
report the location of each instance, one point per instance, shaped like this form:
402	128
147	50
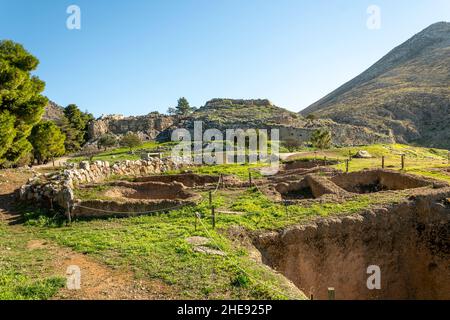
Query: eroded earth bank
409	241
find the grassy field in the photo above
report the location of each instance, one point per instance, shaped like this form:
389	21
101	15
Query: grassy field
123	153
156	247
25	272
421	161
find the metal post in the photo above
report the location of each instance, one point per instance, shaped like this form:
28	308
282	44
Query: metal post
250	177
346	165
382	162
213	215
403	162
210	198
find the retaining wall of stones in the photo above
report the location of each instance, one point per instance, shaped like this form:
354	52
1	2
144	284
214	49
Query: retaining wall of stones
56	189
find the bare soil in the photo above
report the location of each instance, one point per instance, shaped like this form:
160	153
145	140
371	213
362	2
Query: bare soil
98	281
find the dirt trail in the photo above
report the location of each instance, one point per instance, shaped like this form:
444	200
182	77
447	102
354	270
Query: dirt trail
98	281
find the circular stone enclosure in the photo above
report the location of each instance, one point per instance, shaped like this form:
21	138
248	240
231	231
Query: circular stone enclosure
370	181
132	198
190	180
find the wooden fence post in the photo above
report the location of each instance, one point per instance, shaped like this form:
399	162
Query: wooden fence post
250	177
346	165
403	162
382	162
213	215
69	216
195	222
210	198
331	294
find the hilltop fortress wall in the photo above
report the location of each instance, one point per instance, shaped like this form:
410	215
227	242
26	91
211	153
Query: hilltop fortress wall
155	126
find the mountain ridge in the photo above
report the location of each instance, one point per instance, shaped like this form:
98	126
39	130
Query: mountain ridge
407	92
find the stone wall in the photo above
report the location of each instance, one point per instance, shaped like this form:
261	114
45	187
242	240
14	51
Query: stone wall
223	114
57	188
148	127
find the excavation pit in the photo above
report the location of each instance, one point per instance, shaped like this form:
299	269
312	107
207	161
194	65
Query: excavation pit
190	180
311	186
372	181
408	241
132	198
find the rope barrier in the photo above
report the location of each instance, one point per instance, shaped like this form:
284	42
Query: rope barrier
138	213
217	186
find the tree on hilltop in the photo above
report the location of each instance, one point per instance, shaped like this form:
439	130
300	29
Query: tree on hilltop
183	108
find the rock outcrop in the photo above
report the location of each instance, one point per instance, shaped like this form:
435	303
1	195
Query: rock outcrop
223	114
147	127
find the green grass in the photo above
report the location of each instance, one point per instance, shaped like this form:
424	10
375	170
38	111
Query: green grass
155	247
421	161
92	193
239	170
25	274
120	154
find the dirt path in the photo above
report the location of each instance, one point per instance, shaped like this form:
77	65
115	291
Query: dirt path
98	281
58	163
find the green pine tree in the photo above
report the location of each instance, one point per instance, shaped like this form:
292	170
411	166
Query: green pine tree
47	140
21	101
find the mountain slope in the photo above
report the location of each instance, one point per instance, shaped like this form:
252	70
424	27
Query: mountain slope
407	91
53	112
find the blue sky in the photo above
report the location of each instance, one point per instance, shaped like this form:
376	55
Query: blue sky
137	56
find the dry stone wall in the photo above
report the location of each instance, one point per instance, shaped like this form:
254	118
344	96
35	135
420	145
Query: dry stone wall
57	188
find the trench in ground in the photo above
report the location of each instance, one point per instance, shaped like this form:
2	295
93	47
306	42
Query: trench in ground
410	242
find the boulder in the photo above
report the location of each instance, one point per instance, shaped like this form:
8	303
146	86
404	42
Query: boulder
362	154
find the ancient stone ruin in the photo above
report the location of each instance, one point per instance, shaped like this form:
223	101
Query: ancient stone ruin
57	189
155	126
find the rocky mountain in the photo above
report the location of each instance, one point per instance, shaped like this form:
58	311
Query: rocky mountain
53	112
407	92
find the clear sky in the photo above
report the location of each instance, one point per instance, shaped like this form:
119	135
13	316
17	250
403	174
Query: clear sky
137	56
